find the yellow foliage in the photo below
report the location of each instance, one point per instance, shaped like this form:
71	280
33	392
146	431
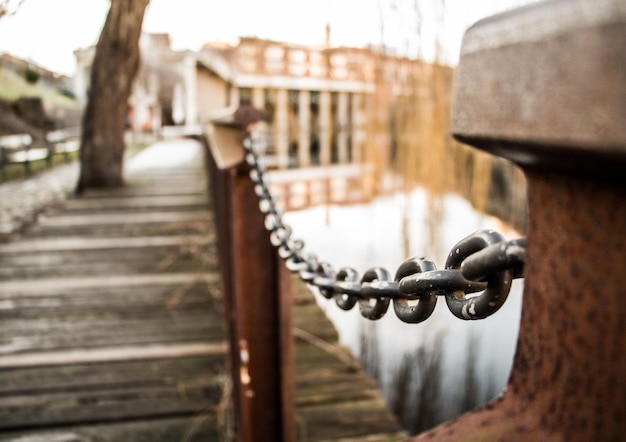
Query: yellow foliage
409	136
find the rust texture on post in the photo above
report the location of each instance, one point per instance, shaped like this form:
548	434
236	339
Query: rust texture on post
545	86
287	353
220	188
255	288
256	294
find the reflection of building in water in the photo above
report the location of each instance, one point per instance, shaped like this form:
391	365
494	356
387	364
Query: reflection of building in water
315	98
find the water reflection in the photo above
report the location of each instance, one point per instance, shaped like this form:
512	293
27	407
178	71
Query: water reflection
428	372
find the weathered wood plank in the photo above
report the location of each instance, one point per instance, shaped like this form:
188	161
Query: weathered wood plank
84	336
137	188
117	261
103	320
200	427
308	319
111	354
47	286
82	243
34	379
130	402
122	218
335	400
347	419
176	227
132	300
142	203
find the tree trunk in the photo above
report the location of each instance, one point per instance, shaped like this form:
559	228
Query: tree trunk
113	71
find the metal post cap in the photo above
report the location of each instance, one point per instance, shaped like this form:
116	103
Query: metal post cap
545	85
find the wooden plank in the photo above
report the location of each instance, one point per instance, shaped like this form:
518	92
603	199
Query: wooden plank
308	320
130	261
225	145
67	336
58	378
335	399
345	419
138	203
104	318
172	227
82	243
121	218
129	402
46	286
201	427
74	318
140	298
130	301
136	188
112	354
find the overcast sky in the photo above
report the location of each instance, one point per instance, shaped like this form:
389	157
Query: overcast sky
48	31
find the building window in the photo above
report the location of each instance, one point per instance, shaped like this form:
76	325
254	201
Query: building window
245	96
315	102
294	101
270	105
229	91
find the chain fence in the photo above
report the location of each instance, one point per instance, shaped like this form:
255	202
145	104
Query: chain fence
475	281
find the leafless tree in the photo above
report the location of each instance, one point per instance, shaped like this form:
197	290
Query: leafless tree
9	7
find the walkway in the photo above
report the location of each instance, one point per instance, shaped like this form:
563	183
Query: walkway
110	313
112	329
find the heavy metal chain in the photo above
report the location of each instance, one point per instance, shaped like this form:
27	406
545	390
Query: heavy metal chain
476	279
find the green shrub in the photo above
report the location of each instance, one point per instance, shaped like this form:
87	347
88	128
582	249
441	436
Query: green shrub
31	75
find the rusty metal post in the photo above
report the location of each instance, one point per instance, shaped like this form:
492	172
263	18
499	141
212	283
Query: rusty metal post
545	86
257	298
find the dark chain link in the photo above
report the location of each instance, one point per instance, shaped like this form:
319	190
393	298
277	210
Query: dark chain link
476	279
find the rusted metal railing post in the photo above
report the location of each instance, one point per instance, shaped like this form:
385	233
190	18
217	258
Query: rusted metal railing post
545	86
257	297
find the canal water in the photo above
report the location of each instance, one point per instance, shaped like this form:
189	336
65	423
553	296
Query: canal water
428	372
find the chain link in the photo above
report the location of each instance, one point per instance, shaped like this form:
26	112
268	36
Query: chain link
475	282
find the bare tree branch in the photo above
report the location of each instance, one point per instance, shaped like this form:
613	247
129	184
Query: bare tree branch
9	7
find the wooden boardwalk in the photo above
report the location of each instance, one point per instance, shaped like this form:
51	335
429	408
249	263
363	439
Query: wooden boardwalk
335	399
111	326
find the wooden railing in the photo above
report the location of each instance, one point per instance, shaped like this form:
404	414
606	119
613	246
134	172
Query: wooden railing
23	150
257	296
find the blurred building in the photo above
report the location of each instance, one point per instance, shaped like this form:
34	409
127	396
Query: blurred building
161	73
315	98
325	106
